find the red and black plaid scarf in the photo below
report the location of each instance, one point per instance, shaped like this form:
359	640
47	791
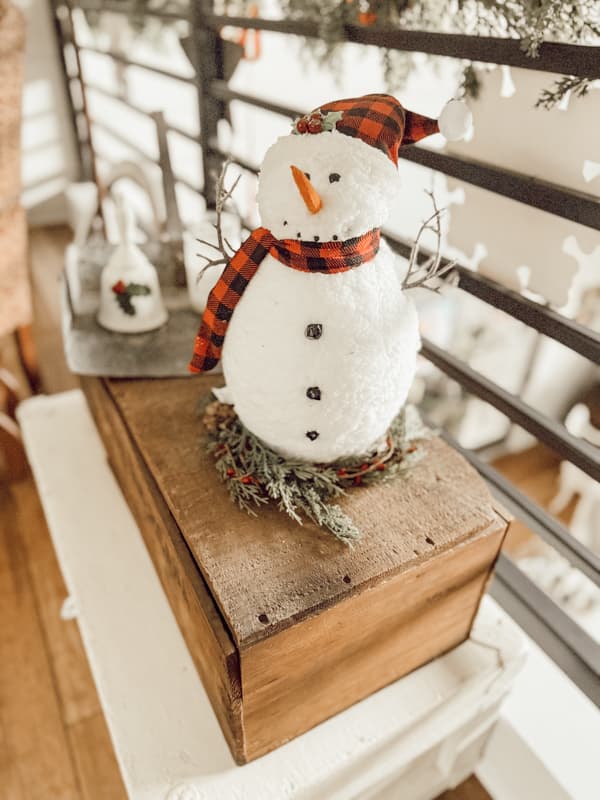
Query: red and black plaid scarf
329	258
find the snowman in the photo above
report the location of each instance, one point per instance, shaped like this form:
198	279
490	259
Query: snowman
317	337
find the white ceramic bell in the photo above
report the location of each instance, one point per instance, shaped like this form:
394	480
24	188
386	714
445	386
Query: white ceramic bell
130	296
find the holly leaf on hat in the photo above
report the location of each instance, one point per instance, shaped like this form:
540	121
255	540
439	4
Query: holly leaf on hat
316	122
330	120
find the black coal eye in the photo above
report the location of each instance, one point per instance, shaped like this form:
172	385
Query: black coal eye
307	175
334	177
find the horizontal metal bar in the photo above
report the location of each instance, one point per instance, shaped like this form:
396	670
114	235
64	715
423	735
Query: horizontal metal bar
221	91
567	203
116	134
239	160
567	644
139	110
128	62
184	182
547	430
544	319
534	516
127	9
541	318
580	60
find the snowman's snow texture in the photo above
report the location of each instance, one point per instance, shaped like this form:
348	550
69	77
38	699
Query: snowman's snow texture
317	364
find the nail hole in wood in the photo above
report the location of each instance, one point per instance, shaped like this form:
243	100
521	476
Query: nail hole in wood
263	618
429	540
416	552
347	579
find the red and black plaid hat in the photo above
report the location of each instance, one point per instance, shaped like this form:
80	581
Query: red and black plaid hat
378	119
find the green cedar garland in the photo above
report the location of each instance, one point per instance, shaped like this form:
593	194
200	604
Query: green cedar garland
569	84
575	22
255	475
530	21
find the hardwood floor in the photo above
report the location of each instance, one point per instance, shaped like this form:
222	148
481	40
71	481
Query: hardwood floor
54	742
46	247
535	471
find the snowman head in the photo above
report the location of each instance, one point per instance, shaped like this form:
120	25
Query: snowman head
324	188
335	177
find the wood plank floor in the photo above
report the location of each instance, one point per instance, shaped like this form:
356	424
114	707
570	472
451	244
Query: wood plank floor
54	743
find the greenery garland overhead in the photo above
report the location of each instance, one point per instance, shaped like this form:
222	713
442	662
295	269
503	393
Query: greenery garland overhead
530	21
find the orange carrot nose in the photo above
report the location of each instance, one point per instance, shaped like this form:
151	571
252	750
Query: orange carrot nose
307	191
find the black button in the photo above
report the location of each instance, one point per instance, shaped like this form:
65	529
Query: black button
313	393
314	330
312	435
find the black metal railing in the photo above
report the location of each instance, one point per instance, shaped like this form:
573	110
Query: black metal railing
572	649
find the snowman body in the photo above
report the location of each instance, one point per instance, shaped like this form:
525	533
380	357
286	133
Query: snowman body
318	365
318	338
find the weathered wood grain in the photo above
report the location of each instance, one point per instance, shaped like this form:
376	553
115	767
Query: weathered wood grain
470	789
47	261
72	676
363	643
99	777
39	762
314	625
269	566
206	635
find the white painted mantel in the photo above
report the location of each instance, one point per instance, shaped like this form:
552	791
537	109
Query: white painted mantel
413	739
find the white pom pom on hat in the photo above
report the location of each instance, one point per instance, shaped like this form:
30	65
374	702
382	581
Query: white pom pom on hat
455	121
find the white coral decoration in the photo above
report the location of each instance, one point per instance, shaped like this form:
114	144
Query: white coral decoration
455	121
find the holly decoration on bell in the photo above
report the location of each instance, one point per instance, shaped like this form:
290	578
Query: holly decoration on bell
317	122
125	291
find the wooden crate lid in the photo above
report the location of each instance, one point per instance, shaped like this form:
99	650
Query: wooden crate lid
267	572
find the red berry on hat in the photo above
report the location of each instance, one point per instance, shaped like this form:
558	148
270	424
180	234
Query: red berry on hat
315	125
302	125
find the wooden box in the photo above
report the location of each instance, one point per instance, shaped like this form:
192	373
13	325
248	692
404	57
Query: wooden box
286	625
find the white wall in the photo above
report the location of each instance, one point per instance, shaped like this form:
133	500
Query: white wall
48	150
